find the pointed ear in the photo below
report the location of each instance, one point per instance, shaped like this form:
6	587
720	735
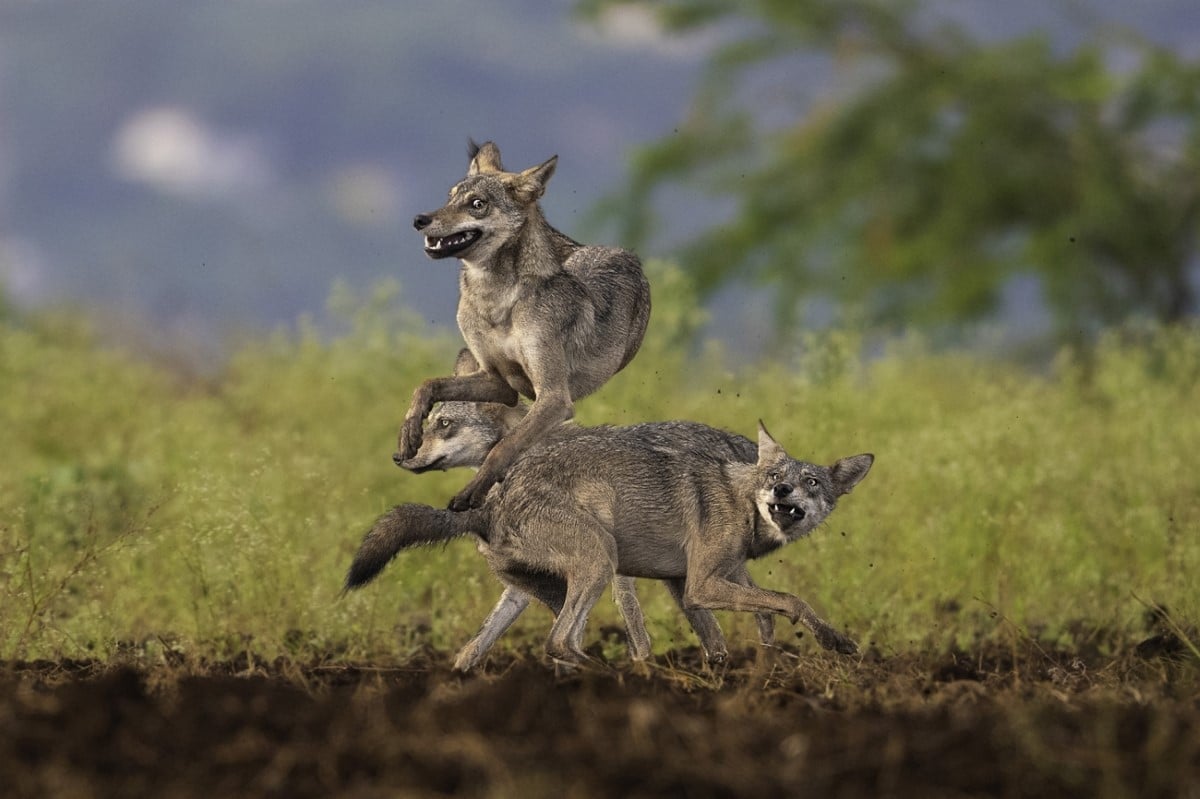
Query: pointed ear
847	472
531	184
503	417
512	416
769	450
484	159
465	363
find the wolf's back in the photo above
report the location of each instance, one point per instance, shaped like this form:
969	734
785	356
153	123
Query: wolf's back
407	526
620	291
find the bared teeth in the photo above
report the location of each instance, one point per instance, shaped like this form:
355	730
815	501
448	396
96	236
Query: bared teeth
453	240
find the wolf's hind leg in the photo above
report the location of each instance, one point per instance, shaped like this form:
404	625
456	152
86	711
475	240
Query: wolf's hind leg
551	407
593	569
511	605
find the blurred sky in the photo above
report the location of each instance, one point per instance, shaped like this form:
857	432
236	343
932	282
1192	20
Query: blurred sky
211	166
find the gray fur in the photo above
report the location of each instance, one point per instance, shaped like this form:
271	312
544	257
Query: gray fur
543	315
654	500
461	434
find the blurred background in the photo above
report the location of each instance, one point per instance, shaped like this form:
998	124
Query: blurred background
191	171
960	235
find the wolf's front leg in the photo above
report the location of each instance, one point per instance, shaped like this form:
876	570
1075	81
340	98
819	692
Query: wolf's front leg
703	622
718	593
826	635
625	596
411	432
830	638
765	621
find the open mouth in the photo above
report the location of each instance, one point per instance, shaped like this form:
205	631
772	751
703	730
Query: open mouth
446	246
785	515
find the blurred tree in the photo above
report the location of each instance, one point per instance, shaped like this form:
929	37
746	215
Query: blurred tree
948	168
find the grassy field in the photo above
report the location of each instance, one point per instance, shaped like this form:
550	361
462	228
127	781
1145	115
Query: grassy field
142	510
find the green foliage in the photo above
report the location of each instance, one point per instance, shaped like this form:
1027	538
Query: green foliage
948	168
137	510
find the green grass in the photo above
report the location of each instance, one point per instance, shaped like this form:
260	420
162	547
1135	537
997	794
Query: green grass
140	509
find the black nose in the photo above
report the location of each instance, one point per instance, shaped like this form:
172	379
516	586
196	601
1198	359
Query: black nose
398	459
421	221
781	490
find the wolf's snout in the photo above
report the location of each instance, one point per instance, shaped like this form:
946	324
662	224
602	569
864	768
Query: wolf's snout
422	221
781	490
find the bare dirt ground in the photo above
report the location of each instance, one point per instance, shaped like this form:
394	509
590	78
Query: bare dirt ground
1011	720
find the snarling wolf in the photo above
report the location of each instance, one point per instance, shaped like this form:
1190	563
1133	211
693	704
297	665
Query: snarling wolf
544	316
666	501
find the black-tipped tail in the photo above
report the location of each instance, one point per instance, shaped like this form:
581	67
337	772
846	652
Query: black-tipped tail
407	526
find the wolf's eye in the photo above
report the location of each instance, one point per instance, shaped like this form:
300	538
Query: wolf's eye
772	477
479	203
812	482
443	423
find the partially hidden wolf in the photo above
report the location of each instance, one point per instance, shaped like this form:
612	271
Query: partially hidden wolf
543	315
462	434
633	501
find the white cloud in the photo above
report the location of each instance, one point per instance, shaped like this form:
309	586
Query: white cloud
173	150
636	26
23	272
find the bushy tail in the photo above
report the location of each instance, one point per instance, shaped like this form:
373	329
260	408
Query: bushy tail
407	526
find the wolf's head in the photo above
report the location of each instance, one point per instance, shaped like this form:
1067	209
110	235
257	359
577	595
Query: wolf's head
793	497
485	208
462	434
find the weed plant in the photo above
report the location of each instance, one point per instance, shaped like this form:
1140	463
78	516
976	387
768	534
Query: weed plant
142	510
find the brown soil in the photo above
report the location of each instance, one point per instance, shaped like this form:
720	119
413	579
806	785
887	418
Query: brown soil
1017	721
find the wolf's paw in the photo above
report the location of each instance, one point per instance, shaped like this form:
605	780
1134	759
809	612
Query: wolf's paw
830	638
466	501
717	657
564	660
410	440
467	659
474	494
